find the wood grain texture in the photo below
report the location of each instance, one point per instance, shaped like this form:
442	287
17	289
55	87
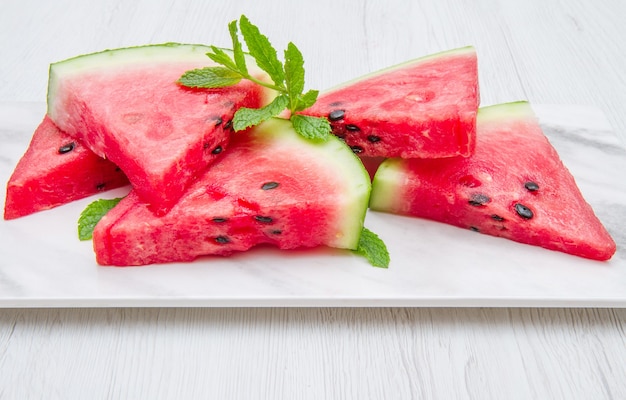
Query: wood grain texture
313	353
547	52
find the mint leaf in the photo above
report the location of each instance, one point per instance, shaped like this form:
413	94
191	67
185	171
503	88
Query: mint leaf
209	78
92	214
247	117
306	100
294	74
221	57
240	58
373	249
261	49
312	128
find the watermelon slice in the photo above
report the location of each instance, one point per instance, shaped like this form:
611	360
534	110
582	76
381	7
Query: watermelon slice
125	105
425	108
271	186
514	186
55	170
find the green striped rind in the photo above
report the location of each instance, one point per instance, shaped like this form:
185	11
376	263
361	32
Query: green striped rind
333	155
513	110
149	55
388	179
470	50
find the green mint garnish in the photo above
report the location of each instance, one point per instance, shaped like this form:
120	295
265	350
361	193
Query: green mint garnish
373	249
92	214
287	78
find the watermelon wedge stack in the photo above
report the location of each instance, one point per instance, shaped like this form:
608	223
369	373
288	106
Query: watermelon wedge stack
199	189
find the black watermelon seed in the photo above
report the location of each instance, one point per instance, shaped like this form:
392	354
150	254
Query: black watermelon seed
479	199
496	217
66	148
217	150
357	149
352	128
228	124
222	239
373	138
219	220
218	121
523	211
269	185
531	186
265	220
100	186
336	115
277	232
474	229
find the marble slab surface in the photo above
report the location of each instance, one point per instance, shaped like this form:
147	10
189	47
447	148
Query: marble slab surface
42	263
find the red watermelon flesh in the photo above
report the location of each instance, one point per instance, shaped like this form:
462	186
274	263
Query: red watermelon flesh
271	187
55	170
425	108
125	105
514	186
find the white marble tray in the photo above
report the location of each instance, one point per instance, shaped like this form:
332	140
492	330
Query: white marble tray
42	263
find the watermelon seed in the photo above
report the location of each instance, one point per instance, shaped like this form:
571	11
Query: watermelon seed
67	148
523	211
228	124
335	103
531	186
222	239
100	186
479	199
217	150
373	138
352	128
496	217
357	149
265	220
269	185
474	229
277	232
218	121
336	115
219	220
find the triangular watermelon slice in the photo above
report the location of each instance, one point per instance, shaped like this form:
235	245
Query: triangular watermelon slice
424	108
55	170
272	186
126	105
514	186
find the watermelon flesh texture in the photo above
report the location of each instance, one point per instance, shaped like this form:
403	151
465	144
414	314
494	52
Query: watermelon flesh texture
125	105
54	170
425	108
271	187
514	186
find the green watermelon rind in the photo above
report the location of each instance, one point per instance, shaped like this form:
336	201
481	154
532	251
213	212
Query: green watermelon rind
387	179
514	110
338	157
470	50
164	52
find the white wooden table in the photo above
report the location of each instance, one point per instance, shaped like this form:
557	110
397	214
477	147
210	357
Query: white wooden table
543	51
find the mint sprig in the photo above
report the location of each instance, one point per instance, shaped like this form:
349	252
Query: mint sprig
373	249
287	78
